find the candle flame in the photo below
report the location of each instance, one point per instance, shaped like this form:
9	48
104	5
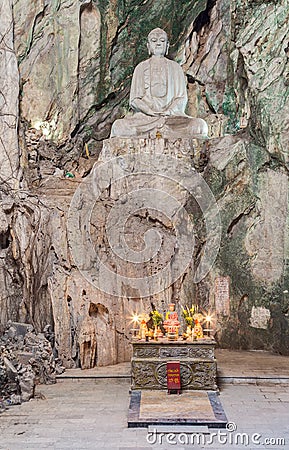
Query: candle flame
135	318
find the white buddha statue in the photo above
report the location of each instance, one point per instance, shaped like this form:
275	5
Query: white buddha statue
158	98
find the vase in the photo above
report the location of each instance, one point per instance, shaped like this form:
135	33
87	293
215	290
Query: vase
189	331
198	330
156	333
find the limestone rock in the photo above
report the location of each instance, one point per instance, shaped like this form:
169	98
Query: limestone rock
206	57
48	44
76	61
9	101
56	63
261	46
27	384
266	238
87	344
26	359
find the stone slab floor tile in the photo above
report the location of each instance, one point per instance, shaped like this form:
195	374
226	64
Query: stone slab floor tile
89	415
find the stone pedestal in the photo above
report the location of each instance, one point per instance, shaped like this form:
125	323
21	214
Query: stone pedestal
131	234
190	150
197	363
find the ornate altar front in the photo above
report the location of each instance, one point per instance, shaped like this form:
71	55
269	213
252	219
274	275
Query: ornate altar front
197	363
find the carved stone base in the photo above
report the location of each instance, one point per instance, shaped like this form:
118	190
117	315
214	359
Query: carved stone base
197	363
191	150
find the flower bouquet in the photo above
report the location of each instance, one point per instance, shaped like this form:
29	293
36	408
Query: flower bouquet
157	318
188	315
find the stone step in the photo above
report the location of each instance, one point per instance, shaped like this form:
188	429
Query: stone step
178	429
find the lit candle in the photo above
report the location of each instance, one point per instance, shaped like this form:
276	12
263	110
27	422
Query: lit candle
208	323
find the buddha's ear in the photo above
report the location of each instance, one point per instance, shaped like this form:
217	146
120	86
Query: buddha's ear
167	49
149	49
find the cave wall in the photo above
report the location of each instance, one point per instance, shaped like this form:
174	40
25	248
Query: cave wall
65	71
9	100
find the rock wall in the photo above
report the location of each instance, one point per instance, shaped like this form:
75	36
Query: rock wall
75	61
239	61
9	100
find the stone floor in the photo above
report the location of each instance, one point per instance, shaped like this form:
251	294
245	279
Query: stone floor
252	364
91	413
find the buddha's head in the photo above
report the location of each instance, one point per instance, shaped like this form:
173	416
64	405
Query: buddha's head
158	43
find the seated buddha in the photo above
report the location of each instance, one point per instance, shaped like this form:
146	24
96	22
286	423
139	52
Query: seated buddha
158	98
171	324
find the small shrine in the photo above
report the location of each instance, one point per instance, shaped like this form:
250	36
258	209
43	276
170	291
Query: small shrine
172	324
163	340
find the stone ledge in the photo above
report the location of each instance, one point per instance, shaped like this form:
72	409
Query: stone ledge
179	148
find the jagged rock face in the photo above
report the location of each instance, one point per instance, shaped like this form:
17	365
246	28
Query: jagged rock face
25	260
261	57
58	50
253	202
75	61
26	359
